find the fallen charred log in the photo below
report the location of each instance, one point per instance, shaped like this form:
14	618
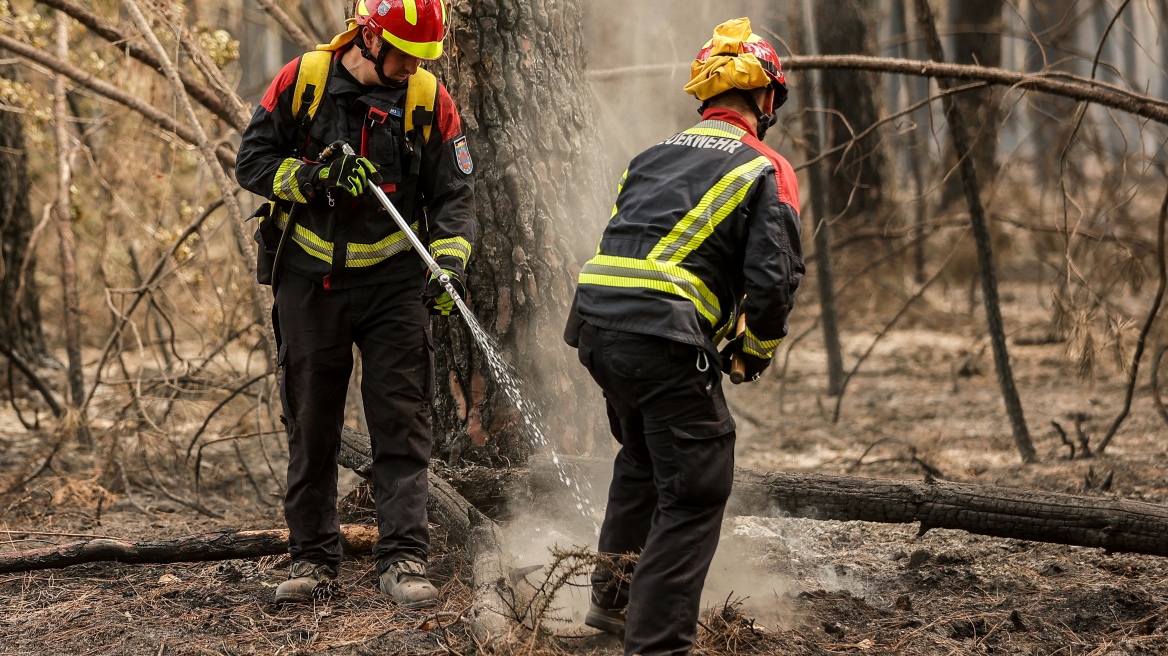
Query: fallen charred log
1116	525
220	545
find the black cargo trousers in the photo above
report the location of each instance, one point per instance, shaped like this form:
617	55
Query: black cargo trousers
670	480
317	329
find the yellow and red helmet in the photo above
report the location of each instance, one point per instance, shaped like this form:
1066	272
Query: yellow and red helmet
736	58
416	27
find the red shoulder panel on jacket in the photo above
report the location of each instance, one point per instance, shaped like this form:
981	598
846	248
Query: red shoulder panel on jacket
449	123
784	174
284	79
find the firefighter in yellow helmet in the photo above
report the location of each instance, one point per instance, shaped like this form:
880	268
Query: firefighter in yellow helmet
346	275
705	229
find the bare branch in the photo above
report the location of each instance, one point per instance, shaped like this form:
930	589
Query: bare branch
226	186
224	153
298	35
108	31
1162	269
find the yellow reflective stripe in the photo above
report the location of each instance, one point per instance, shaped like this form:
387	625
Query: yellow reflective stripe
717	129
453	246
722	332
312	244
620	186
284	184
613	271
707	132
356	255
752	345
411	7
363	255
715	205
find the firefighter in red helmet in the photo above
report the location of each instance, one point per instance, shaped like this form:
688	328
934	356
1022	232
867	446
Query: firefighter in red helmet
343	274
705	230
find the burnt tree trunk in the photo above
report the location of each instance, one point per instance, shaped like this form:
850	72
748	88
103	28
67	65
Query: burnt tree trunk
802	38
516	72
857	182
977	39
981	235
1114	524
220	545
21	328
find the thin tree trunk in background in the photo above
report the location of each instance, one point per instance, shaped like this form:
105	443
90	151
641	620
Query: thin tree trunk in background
20	303
802	28
858	175
71	315
516	72
977	39
981	233
1051	21
915	90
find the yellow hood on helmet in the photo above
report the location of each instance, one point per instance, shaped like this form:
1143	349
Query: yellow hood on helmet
344	38
720	72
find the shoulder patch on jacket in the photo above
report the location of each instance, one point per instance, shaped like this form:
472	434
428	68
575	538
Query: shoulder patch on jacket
462	153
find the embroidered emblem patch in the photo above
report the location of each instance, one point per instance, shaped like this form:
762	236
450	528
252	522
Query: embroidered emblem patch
383	8
465	164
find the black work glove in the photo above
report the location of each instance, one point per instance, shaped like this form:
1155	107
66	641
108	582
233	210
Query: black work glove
754	364
347	172
437	299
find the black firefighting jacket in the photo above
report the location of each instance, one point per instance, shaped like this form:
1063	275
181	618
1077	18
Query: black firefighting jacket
344	242
702	219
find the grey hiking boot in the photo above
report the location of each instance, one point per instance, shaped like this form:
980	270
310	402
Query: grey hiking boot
607	620
405	583
303	579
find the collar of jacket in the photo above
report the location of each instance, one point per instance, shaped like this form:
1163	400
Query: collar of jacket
729	116
382	98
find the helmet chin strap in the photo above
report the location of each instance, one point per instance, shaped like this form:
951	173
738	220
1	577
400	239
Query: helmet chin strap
765	121
378	60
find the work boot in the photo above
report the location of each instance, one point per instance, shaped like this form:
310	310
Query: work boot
607	620
303	579
405	583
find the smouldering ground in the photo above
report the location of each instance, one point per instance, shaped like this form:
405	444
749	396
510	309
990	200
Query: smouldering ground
810	587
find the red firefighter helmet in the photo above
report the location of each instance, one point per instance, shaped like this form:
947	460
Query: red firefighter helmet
416	27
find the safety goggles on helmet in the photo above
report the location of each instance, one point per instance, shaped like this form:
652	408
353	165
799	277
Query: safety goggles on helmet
416	27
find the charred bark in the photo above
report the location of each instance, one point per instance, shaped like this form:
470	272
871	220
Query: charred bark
1116	525
20	331
516	72
220	545
857	182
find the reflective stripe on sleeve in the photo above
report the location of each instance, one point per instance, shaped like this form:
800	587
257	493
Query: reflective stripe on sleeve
752	345
284	184
453	246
